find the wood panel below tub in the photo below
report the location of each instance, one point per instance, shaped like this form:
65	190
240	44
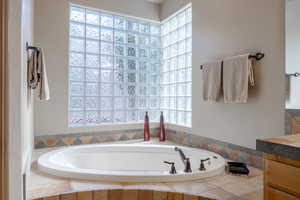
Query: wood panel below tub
124	195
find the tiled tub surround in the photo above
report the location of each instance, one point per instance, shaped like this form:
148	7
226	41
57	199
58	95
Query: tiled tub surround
223	186
91	138
292	121
227	150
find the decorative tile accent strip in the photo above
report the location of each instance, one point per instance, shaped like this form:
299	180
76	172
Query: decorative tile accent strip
227	150
90	138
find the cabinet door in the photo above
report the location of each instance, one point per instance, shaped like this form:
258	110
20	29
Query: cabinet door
282	177
273	194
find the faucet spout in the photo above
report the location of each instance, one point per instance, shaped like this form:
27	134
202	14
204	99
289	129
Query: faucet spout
185	160
183	157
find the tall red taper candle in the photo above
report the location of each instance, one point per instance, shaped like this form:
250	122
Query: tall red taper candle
162	131
146	128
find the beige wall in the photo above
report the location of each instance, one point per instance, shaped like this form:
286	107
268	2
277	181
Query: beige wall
51	33
137	8
20	30
226	28
169	7
293	52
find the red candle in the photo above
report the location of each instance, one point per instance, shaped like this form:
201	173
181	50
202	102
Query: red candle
162	131
146	128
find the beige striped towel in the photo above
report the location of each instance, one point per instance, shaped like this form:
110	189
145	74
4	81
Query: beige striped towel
211	81
37	75
238	75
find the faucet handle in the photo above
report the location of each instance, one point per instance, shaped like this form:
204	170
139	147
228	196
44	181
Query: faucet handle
202	167
173	169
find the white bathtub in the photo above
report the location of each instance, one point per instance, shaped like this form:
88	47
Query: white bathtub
128	163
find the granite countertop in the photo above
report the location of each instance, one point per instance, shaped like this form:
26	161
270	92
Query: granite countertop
286	146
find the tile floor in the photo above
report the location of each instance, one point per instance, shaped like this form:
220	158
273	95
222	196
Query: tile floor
223	186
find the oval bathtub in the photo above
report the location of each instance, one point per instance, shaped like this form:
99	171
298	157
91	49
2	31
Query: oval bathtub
128	163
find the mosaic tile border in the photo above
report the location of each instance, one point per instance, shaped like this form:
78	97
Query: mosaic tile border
227	150
90	138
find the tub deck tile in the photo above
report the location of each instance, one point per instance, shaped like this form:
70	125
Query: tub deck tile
220	194
78	185
191	187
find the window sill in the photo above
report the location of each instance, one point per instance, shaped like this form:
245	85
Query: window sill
124	126
112	126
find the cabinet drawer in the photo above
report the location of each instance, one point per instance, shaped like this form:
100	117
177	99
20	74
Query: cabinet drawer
273	194
283	177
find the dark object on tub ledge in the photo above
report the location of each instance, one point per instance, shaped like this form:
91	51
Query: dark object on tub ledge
237	168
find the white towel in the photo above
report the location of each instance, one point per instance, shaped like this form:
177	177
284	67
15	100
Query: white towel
37	75
237	76
211	81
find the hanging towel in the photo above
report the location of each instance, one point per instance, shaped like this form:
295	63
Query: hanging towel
37	76
211	77
237	76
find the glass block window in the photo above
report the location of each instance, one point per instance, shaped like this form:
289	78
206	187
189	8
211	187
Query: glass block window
114	68
176	68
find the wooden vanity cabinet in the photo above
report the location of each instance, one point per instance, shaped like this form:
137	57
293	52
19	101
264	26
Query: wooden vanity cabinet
281	178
